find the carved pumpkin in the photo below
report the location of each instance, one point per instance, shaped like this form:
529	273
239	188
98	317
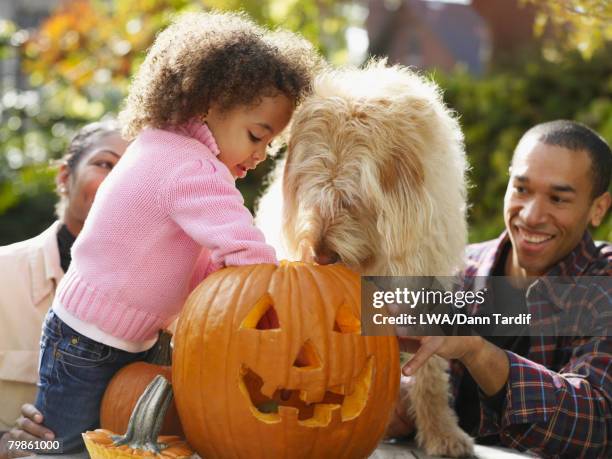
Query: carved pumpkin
126	387
141	438
269	362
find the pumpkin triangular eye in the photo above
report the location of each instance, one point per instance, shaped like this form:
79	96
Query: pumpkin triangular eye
262	316
307	357
346	321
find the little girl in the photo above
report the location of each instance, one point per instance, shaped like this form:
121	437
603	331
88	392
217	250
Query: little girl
212	93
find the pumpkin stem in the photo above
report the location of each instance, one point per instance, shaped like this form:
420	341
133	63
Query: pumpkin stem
147	418
161	353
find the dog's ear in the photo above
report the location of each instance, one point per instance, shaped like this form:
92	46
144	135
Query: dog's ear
404	211
401	171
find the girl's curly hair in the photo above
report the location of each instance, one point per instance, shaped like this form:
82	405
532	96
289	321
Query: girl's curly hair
215	58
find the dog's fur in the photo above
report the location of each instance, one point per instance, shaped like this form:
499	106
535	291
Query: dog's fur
375	176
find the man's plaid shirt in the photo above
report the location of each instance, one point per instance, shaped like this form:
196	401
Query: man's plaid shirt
558	400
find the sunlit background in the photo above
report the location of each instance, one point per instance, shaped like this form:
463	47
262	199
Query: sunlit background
504	65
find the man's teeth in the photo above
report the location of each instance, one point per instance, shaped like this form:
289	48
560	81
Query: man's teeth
534	238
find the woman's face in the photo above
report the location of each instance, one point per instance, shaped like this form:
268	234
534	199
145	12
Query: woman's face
80	185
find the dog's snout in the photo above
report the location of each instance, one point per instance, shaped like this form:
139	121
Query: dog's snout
326	258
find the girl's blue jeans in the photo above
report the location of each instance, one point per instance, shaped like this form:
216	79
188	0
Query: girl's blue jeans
74	372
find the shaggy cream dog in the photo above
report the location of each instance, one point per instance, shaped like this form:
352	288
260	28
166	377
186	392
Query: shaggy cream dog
374	178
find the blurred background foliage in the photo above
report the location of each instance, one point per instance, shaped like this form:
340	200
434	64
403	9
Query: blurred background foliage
497	109
76	66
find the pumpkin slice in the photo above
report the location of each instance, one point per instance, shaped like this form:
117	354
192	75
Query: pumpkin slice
141	438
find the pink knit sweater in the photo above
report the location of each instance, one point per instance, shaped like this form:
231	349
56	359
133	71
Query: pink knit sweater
168	215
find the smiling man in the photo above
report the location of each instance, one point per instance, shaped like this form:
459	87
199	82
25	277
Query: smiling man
551	395
558	185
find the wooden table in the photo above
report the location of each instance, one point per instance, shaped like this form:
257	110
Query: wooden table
384	451
410	451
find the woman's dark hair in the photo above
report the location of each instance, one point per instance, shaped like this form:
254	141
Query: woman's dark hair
83	141
85	138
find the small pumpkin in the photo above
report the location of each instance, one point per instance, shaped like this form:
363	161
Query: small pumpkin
269	363
141	438
129	383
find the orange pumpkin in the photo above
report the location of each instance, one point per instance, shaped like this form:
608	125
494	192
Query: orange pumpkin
269	363
129	383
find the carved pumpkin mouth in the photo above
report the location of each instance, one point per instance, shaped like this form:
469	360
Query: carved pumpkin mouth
287	404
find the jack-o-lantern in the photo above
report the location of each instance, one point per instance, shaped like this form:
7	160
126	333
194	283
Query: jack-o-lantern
269	363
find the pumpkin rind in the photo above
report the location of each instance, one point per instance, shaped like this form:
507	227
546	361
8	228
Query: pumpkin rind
308	387
141	438
99	440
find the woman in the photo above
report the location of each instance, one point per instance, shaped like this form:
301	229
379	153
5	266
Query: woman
30	270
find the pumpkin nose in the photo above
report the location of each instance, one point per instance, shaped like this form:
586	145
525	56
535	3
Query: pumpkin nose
307	357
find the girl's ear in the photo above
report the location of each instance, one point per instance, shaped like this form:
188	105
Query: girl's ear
62	179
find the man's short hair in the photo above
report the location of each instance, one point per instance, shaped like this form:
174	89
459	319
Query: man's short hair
576	136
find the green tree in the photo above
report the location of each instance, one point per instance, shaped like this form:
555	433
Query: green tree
582	25
522	29
497	109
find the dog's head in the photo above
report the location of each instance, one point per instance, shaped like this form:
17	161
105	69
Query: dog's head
374	173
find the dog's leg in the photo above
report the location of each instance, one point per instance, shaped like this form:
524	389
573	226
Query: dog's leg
438	431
